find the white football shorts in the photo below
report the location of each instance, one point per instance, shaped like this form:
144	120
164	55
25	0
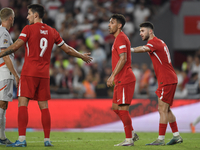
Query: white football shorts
6	90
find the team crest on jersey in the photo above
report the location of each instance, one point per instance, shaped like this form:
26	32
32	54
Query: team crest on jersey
5	41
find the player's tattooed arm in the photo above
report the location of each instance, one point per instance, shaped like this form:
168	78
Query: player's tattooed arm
4	53
11	49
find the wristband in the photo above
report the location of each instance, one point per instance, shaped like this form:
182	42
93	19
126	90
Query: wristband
132	49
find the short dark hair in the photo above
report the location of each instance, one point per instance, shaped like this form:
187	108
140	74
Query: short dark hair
37	8
147	24
120	19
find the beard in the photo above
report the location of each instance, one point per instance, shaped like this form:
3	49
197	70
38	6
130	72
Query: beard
31	22
113	30
146	37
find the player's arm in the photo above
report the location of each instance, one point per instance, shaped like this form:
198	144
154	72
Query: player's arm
118	68
71	51
12	48
10	66
140	49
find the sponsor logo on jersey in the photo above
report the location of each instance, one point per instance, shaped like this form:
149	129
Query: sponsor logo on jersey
45	32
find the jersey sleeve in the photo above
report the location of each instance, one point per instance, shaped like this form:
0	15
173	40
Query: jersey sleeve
151	45
24	35
58	40
4	41
121	45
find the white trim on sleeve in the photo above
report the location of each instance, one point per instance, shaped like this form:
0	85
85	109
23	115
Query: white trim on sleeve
22	34
150	45
61	43
122	46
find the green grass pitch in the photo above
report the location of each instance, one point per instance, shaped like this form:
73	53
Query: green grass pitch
101	141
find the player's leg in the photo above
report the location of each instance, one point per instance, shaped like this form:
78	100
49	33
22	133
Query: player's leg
3	107
121	101
22	122
172	119
26	91
193	124
172	122
115	108
43	94
163	111
6	90
46	121
124	115
22	117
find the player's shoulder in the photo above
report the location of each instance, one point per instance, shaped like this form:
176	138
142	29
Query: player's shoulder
53	30
3	31
121	36
154	41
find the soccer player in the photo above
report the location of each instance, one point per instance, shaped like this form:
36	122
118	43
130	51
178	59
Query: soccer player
123	77
193	124
7	70
34	81
167	81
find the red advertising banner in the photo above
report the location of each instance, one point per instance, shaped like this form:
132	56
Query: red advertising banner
192	24
82	113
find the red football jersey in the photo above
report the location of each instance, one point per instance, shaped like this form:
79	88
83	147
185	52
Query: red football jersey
122	45
39	39
161	62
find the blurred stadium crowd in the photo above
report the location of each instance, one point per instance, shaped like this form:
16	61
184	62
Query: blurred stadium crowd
83	24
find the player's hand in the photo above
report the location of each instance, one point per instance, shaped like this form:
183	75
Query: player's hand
17	80
86	57
110	81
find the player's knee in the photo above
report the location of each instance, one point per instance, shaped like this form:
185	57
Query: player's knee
43	104
162	109
114	107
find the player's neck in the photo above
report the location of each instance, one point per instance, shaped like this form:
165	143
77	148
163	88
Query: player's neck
151	37
38	21
6	25
116	33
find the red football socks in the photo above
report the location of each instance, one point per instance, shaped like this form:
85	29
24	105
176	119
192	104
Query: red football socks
117	112
46	122
126	119
162	128
22	120
174	126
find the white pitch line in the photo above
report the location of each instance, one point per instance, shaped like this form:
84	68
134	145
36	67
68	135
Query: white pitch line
61	141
